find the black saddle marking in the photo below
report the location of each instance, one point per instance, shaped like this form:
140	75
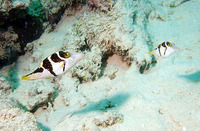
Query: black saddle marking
47	65
55	58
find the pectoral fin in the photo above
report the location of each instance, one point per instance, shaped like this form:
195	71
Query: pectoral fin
62	64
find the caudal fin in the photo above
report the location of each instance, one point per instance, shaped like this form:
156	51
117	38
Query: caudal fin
28	77
151	52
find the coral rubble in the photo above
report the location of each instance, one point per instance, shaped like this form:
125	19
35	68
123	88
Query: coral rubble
5	87
16	119
35	95
102	5
101	35
9	46
108	119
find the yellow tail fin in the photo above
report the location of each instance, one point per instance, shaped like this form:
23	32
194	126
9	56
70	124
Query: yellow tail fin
150	52
27	78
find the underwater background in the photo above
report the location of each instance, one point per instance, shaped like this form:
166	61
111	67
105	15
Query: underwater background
123	83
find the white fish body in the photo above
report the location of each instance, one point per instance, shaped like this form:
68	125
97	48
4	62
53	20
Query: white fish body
56	64
164	50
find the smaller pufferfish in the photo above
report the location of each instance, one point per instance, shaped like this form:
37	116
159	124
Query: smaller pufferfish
56	64
164	50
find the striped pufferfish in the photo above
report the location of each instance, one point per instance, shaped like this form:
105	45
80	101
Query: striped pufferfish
56	64
164	50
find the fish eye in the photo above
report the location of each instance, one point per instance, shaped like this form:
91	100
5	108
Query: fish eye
169	44
66	54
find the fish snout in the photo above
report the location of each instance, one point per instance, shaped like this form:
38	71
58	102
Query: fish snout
78	56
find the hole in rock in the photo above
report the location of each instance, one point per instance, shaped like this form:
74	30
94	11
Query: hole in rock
114	65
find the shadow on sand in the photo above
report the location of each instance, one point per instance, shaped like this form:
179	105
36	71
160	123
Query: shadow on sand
195	77
103	105
44	128
106	104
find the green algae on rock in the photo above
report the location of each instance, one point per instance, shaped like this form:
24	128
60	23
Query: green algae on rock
36	10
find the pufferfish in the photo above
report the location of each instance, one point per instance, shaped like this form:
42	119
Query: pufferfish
56	64
164	50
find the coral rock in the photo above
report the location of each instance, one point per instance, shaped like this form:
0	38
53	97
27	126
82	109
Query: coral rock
108	120
102	5
101	35
16	119
5	87
9	47
35	95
